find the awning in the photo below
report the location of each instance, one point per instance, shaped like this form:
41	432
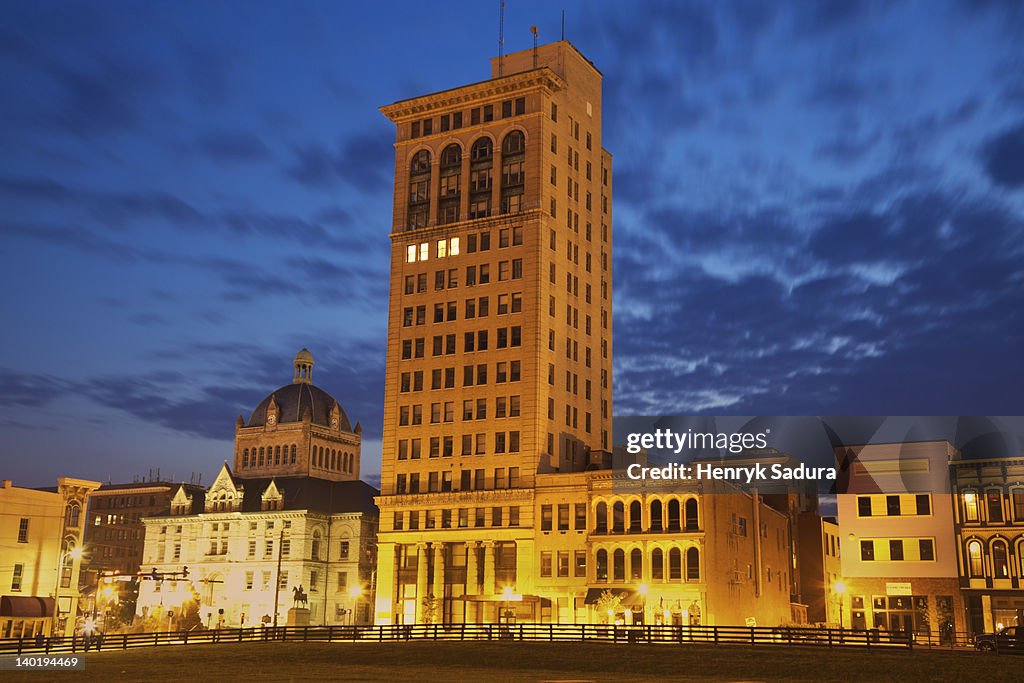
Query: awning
25	607
627	597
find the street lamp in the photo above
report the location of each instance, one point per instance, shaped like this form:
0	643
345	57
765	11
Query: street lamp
354	591
643	589
507	594
840	589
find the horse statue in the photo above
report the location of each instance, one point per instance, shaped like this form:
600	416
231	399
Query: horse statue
299	596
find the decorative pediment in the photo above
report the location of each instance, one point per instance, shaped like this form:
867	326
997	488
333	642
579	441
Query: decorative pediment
224	494
272	497
181	503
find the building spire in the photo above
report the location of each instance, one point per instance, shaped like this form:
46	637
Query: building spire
303	367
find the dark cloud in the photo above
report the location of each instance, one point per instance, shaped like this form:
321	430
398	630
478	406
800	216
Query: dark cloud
1003	157
18	389
362	161
234	147
848	147
846	90
868	298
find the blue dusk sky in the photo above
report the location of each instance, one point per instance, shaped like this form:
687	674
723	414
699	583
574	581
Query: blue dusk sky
818	209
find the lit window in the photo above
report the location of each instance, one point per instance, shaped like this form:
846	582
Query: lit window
424	251
974	559
454	249
442	248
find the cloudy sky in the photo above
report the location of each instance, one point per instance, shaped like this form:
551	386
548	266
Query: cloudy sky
819	209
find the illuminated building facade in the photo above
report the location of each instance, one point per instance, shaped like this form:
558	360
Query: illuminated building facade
115	532
41	549
499	343
497	496
989	516
291	513
899	554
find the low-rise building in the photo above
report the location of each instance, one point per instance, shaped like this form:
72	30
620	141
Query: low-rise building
989	516
41	550
898	553
290	517
821	571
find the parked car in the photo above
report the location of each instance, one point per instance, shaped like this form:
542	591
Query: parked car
1009	640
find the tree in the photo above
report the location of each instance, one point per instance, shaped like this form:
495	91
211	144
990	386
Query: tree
431	606
608	604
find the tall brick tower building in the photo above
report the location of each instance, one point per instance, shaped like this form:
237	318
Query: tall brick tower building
499	357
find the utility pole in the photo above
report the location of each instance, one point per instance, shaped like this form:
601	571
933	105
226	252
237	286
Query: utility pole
277	582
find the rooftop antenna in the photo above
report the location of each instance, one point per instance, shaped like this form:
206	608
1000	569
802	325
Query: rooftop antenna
533	30
501	39
563	24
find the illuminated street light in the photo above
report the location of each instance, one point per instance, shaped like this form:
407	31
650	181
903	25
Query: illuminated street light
839	587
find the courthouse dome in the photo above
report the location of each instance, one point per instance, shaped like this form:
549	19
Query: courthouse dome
294	400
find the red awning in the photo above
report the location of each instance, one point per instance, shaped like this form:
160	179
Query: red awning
25	607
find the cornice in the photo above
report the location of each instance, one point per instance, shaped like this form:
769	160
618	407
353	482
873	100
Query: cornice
543	77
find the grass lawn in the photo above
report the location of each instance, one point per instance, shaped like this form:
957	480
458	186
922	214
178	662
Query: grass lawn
482	661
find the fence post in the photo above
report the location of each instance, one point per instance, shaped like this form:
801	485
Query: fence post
583	632
830	637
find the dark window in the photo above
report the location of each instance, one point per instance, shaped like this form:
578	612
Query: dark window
892	506
927	549
693	565
867	551
994	499
895	549
863	506
924	506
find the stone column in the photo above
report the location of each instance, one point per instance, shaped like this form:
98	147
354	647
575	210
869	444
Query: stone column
488	587
438	588
421	579
472	573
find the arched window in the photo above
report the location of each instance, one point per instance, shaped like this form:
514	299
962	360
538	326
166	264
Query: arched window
482	150
636	564
675	564
451	157
692	564
635	517
691	515
673	515
601	519
419	190
451	185
658	565
656	524
619	565
245	458
293	454
277	455
618	517
974	561
602	565
71	515
261	456
481	157
315	553
1000	560
513	177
